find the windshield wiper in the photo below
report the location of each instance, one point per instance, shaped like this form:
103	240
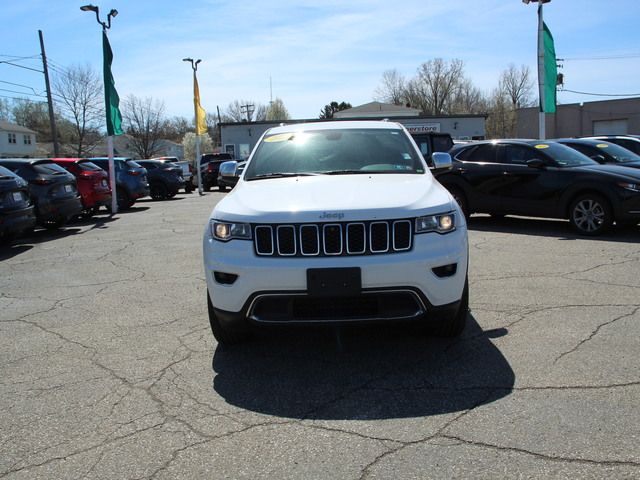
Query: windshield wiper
282	175
348	172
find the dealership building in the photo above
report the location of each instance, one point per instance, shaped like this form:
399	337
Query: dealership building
240	138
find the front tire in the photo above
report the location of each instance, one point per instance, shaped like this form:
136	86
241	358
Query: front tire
223	335
590	214
158	191
460	198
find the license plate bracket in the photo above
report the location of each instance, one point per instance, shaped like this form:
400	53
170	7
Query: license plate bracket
334	282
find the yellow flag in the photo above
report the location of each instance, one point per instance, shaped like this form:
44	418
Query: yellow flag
201	115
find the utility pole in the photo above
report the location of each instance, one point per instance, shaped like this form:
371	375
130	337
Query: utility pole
248	109
52	120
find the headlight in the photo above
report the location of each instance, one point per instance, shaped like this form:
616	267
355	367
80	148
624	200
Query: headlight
443	223
634	187
225	231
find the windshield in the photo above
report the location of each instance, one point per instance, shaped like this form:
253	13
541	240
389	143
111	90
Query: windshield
87	165
48	168
347	151
619	154
563	155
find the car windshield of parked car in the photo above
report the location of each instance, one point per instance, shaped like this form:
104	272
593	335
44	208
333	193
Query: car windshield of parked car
563	155
88	166
5	172
133	164
48	168
620	154
335	152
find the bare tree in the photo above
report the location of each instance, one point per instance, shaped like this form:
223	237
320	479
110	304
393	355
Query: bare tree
144	121
175	128
5	111
440	81
189	146
500	120
79	90
392	88
468	99
517	85
277	111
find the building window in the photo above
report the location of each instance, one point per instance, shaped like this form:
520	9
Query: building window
12	138
27	139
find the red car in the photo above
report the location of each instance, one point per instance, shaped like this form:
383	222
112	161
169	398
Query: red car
93	183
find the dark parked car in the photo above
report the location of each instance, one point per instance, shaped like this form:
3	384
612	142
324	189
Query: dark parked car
603	152
131	179
187	170
165	178
209	166
431	142
52	189
93	183
630	142
229	173
16	211
543	179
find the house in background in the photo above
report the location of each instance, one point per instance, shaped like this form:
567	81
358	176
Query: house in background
16	141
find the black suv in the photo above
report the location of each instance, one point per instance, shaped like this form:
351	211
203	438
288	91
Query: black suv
165	178
16	211
630	142
603	152
52	189
542	179
209	166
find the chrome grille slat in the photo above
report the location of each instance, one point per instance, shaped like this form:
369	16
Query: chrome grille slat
333	239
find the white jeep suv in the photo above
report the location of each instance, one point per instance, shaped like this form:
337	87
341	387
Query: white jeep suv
336	222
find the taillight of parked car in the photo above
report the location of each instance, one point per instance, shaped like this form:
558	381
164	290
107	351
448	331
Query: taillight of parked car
210	168
42	181
135	173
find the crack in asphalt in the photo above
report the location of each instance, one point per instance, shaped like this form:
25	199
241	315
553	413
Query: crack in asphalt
594	333
553	458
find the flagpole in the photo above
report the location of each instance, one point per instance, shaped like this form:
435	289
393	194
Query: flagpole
541	75
112	175
111	99
200	189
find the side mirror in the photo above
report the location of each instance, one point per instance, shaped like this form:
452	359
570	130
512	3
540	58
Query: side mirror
441	161
228	169
536	163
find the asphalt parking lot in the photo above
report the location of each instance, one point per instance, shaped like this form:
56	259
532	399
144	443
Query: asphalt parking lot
109	370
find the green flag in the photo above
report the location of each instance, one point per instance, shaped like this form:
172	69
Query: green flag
548	99
111	99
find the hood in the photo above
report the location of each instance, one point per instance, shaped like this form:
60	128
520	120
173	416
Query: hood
328	198
617	170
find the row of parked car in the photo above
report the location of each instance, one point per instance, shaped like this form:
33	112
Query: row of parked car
51	191
593	182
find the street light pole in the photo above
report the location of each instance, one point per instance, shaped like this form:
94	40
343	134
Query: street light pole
541	68
194	67
112	171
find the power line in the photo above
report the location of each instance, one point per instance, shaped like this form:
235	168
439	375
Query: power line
603	57
21	66
602	94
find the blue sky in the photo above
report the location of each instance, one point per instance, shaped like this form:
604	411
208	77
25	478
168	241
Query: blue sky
317	51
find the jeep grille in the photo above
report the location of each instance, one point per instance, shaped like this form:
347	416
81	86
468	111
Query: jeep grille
333	239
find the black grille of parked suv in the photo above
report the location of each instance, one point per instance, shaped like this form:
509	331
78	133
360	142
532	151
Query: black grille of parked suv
333	239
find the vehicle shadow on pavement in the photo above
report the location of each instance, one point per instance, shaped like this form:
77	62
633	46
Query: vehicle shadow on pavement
548	228
368	373
9	251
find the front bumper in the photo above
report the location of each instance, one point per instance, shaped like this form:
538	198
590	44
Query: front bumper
410	272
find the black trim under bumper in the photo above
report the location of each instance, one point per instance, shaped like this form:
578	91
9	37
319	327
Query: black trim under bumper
300	303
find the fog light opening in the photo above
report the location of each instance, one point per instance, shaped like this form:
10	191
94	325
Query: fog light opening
225	278
446	270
